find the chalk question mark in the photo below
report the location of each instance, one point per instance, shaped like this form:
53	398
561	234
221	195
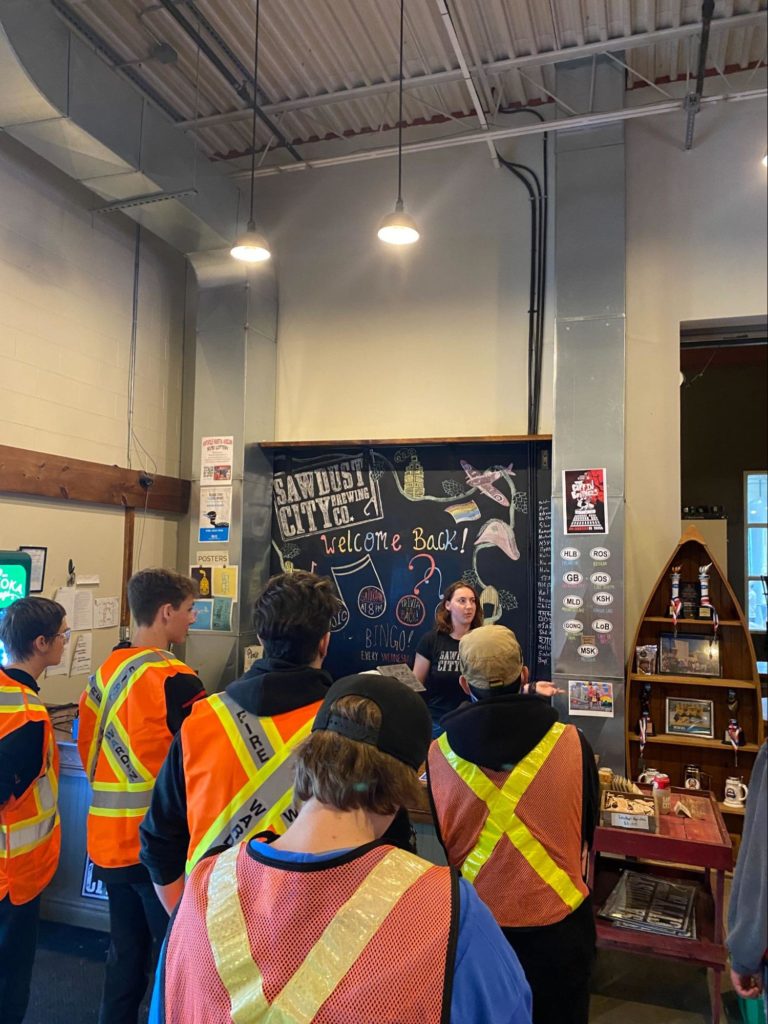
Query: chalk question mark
430	571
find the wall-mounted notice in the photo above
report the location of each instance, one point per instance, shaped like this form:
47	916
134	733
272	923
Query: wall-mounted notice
216	460
221	618
215	514
106	612
586	697
210	558
203	610
225	581
393	526
584	501
201	574
251	653
82	655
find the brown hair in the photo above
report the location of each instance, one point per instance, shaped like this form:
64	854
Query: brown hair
348	775
443	616
293	613
150	589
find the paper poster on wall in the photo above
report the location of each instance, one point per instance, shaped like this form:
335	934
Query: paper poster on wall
210	558
203	611
65	596
62	669
590	698
82	616
584	501
215	514
216	460
225	581
82	656
106	612
202	577
222	614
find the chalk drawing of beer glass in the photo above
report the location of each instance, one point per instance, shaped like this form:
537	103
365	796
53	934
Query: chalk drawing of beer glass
359	585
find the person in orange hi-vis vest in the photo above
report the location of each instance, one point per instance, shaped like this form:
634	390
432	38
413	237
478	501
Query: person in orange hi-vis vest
515	798
34	633
129	714
229	773
329	923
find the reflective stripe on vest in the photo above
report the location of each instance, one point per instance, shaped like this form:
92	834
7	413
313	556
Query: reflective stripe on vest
22	836
329	960
113	695
268	789
113	800
502	818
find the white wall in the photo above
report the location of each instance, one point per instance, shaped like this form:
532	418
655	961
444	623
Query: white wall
696	250
428	341
66	278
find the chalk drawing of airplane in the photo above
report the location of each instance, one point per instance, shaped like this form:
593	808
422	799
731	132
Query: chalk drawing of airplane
484	481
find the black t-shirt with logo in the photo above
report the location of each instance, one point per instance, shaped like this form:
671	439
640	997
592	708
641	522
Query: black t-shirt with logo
443	693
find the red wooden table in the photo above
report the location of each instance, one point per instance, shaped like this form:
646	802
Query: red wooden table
693	849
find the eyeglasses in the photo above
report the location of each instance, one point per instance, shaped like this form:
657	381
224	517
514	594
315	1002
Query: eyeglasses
65	635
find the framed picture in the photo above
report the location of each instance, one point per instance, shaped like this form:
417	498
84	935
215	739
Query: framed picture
688	654
687	717
38	556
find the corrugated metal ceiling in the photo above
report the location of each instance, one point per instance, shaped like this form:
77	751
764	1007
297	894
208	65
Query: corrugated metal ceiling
312	48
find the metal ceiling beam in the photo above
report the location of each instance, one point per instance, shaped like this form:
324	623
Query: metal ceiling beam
450	29
496	134
494	67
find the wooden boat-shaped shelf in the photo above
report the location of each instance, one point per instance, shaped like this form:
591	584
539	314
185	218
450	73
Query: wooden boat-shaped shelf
672	753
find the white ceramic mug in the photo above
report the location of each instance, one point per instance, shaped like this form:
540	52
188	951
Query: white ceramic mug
648	776
735	791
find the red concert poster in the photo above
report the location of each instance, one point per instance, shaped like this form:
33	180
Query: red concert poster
584	501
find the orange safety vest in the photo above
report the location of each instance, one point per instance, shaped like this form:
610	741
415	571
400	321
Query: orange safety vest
123	739
364	938
516	836
30	833
238	771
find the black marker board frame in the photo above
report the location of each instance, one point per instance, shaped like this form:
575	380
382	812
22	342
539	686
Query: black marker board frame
395	522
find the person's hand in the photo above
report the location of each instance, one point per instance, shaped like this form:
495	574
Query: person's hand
748	986
547	689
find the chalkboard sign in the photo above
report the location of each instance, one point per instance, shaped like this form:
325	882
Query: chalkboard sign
393	526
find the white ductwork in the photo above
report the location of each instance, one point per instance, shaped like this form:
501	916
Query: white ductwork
60	99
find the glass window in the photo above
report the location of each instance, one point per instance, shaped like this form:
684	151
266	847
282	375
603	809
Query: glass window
756	548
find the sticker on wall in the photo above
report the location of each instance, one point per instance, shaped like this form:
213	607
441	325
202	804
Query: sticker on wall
216	460
251	653
590	698
584	501
215	515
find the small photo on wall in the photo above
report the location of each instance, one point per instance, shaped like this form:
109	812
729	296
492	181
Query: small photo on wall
203	615
586	697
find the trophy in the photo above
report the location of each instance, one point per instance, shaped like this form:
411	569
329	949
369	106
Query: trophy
706	609
644	724
675	604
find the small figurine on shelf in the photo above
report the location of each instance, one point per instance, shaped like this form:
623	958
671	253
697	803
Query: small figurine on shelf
706	609
734	734
675	604
644	725
733	703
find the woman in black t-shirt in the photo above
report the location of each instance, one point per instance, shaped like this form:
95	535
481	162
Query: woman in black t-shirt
437	656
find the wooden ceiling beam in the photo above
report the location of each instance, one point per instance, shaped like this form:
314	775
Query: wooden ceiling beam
38	475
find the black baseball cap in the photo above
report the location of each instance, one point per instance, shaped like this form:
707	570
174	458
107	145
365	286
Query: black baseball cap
406	728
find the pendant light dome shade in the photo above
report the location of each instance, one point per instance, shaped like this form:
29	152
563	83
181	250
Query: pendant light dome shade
251	247
398	227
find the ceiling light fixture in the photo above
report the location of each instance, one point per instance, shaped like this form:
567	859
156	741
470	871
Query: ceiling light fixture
252	247
398	227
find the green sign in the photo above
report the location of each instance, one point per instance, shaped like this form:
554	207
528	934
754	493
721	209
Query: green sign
13	584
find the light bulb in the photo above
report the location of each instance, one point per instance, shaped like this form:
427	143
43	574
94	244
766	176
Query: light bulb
398	227
251	247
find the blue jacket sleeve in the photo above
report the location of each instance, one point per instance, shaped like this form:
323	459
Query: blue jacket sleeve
748	908
489	986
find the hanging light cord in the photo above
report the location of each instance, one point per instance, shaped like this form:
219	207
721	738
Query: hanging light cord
255	98
400	114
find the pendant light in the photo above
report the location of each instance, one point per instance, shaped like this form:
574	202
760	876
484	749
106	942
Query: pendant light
398	227
252	247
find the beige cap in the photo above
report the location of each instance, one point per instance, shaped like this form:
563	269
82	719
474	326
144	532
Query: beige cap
490	656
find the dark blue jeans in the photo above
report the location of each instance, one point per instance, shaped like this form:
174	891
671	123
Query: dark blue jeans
137	925
18	939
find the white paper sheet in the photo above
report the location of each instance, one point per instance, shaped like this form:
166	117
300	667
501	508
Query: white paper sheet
106	612
82	655
83	613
